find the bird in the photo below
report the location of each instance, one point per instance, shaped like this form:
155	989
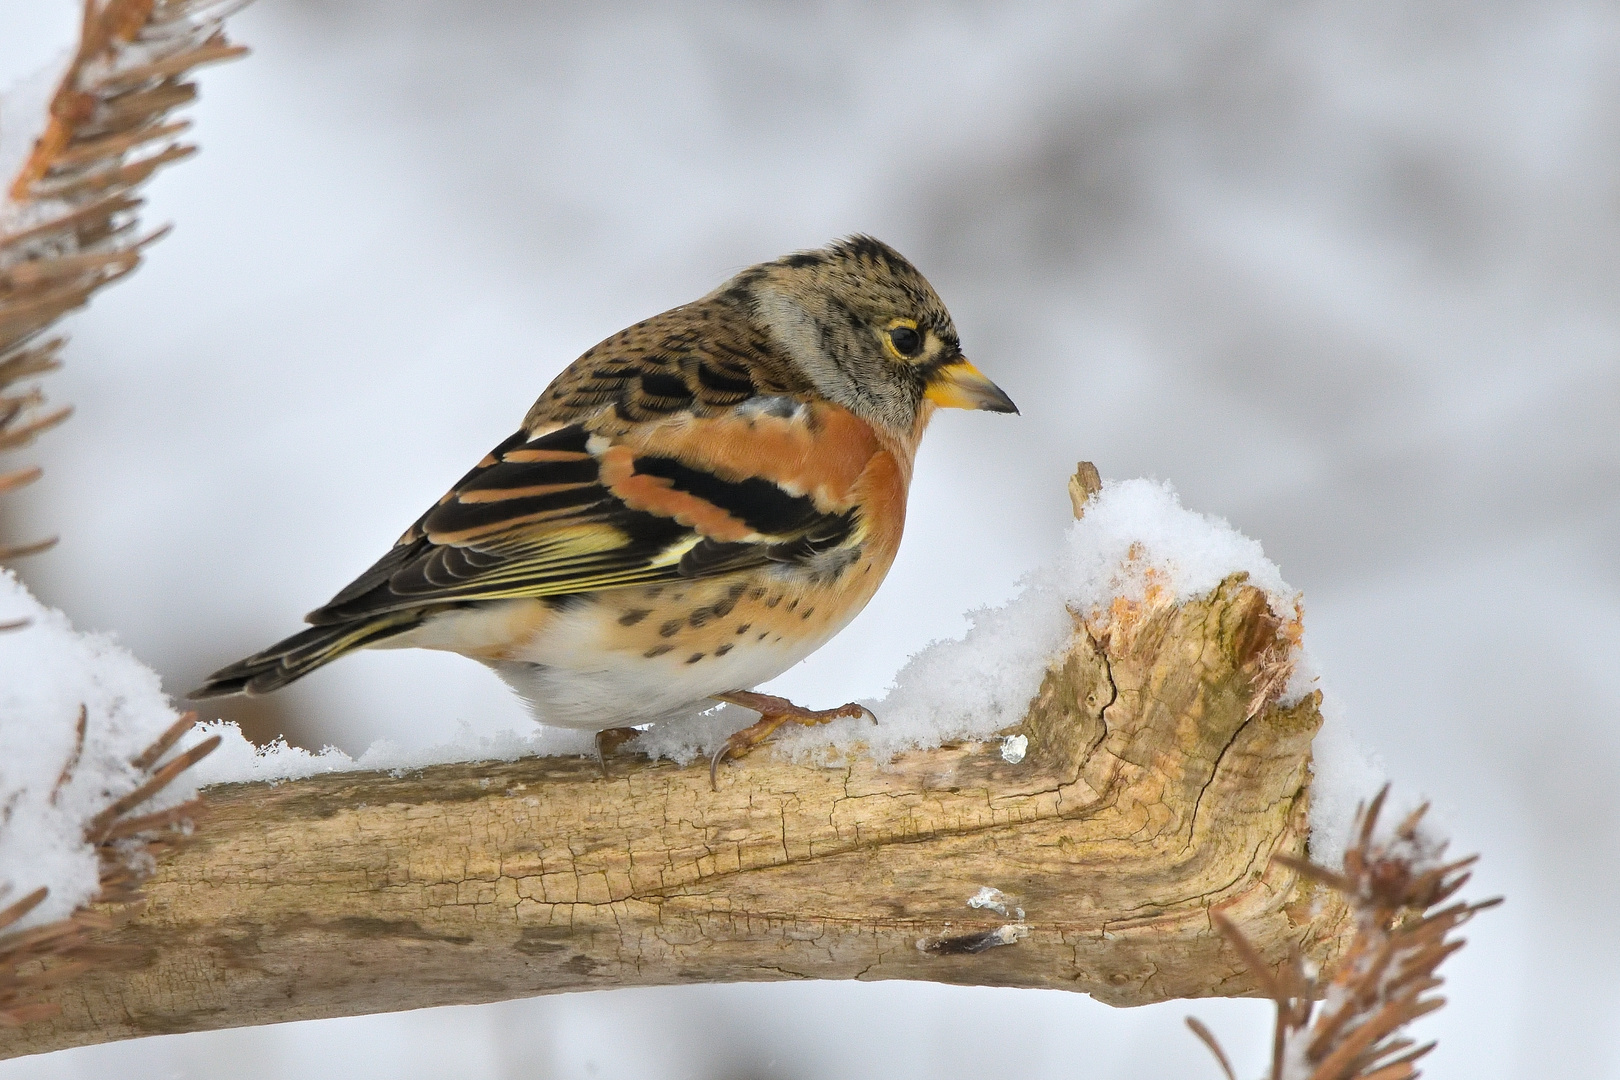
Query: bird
689	509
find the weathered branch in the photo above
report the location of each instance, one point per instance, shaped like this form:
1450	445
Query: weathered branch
1159	781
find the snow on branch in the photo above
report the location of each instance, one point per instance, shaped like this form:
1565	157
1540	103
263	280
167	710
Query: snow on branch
1394	884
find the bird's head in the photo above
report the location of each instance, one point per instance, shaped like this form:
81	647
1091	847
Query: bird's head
868	331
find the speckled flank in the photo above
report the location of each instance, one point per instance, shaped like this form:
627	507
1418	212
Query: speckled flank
715	618
642	654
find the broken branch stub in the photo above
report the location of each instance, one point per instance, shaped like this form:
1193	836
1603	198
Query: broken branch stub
1160	778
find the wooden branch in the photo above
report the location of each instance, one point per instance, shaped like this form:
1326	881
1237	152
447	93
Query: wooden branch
1159	780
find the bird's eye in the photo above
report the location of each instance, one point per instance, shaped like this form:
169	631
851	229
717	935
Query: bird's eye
906	341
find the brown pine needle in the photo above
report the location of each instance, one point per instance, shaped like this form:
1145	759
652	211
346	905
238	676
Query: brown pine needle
187	811
22	907
100	825
69	228
1209	1040
160	746
22	434
22	551
66	776
175	65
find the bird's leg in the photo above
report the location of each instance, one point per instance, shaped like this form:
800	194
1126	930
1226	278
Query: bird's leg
609	740
773	713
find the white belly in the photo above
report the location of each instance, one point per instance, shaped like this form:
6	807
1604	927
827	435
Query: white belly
569	679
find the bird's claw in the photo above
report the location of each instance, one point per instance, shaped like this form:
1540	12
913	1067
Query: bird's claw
609	740
773	713
714	764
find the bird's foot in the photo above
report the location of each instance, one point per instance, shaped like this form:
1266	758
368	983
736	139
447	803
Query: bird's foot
610	739
773	713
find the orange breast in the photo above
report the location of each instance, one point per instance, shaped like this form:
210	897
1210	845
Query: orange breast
822	454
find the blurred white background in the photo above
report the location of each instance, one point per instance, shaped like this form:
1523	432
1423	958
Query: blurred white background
1344	272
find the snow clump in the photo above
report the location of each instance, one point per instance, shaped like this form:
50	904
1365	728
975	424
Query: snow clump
48	672
1135	535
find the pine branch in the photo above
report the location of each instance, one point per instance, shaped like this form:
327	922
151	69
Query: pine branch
67	228
69	225
1382	984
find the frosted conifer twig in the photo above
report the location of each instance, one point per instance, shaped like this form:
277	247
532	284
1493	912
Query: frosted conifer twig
69	226
68	222
1394	886
126	843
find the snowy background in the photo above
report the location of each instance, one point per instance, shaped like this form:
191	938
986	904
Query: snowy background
1344	272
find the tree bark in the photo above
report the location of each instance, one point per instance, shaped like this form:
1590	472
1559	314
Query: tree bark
1160	777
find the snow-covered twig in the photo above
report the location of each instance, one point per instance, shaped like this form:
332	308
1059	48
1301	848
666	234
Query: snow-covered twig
1393	884
127	845
68	221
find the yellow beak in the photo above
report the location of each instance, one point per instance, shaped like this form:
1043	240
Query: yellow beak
960	385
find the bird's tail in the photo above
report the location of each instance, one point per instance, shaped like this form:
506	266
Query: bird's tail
302	653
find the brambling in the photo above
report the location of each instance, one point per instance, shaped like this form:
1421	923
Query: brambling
691	508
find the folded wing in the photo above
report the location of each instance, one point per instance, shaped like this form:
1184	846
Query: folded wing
569	512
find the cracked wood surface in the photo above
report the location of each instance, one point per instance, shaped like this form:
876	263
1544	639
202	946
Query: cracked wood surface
1160	778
